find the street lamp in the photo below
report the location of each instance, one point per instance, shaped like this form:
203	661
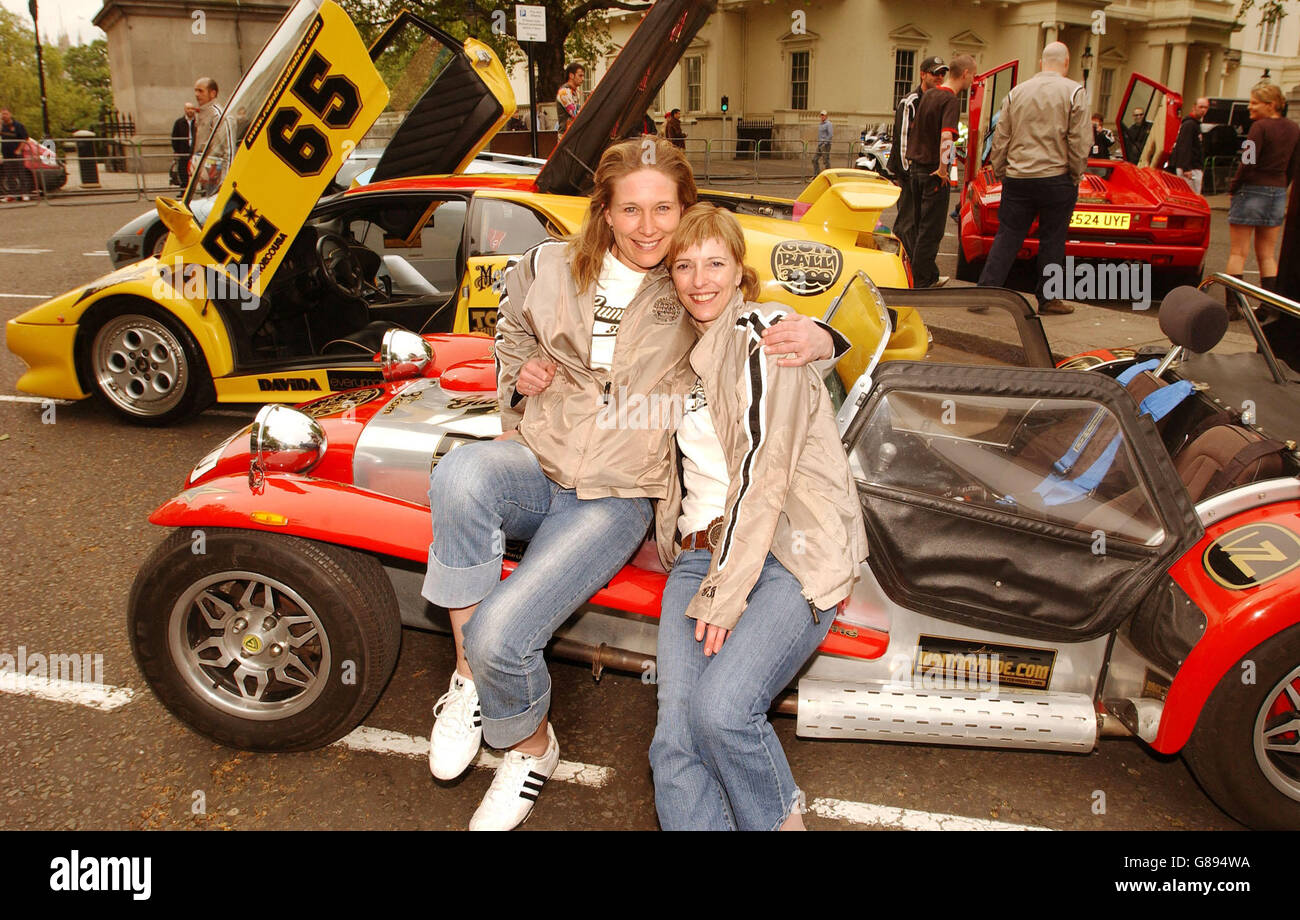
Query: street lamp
40	69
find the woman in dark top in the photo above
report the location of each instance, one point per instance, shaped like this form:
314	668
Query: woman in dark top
1259	188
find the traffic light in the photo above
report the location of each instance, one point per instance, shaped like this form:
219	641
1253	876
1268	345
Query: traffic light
725	104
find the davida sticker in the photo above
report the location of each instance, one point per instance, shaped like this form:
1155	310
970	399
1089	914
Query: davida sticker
1249	556
946	663
806	268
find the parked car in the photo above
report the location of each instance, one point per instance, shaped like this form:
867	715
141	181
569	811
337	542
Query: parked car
277	291
1129	209
145	235
40	168
1057	554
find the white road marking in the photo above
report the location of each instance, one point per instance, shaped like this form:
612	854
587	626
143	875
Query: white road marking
383	741
95	696
42	400
24	252
97	252
29	296
907	819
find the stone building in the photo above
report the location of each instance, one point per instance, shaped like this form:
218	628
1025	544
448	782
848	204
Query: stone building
157	48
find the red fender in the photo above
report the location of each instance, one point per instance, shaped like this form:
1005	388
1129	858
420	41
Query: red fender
1236	621
317	509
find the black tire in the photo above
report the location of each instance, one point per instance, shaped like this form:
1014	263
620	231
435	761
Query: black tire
1169	279
348	631
154	243
144	365
968	271
1258	788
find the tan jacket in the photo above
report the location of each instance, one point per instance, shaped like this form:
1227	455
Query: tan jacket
1043	130
791	492
574	427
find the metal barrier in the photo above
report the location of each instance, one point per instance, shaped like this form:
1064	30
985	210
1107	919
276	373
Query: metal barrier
785	151
730	159
119	168
1218	173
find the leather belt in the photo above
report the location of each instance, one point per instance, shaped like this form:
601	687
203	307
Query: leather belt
708	538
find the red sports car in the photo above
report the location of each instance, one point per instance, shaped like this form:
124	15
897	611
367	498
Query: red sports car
1129	209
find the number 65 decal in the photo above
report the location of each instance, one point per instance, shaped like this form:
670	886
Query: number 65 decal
334	99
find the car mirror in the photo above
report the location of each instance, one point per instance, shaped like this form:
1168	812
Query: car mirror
178	219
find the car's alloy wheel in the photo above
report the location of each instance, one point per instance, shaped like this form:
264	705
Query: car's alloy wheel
144	365
140	365
249	645
1277	735
263	641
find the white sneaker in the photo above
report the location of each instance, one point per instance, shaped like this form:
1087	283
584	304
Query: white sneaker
457	729
514	789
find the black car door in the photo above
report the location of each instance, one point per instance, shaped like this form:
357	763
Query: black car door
1031	501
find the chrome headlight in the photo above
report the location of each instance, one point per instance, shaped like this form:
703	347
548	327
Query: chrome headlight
404	354
285	440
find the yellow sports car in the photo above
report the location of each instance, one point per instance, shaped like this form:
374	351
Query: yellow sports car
277	294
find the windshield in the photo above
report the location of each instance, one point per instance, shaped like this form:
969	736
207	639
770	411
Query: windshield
247	99
410	61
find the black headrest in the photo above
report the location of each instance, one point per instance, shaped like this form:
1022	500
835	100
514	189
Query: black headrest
1193	319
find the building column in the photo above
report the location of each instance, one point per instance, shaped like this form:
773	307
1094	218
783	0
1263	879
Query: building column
1177	67
1196	77
1214	76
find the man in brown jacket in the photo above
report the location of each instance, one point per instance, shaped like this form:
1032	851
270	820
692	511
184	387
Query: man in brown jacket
1040	148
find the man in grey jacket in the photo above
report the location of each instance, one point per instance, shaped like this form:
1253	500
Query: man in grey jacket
1040	149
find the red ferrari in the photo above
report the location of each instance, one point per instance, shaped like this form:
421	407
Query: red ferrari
1129	209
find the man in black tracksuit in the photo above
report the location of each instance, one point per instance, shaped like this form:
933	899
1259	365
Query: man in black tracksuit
1188	156
931	146
933	69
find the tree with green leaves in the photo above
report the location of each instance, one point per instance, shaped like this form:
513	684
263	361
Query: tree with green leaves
574	29
76	79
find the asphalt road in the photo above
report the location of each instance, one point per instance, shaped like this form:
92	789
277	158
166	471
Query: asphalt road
74	501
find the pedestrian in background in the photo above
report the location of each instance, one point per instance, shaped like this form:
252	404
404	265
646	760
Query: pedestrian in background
933	69
825	133
1040	149
931	145
183	145
673	129
1258	190
1135	136
1188	156
13	175
1102	139
568	98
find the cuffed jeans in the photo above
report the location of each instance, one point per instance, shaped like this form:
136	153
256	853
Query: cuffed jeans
1051	201
717	762
930	196
482	494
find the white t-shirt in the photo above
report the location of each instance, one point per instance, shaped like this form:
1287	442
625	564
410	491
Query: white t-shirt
615	289
704	466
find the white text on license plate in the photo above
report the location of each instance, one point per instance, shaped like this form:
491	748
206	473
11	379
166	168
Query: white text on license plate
1100	220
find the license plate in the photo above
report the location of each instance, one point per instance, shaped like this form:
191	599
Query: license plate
1100	220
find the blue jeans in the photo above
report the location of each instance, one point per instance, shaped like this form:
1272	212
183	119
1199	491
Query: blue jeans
482	494
717	762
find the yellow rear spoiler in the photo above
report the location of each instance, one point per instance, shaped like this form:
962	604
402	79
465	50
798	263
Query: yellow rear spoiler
844	197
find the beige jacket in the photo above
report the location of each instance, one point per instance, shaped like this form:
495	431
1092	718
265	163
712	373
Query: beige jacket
1043	130
791	491
575	427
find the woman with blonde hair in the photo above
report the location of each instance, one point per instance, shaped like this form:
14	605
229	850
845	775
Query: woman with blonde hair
1258	191
762	535
580	323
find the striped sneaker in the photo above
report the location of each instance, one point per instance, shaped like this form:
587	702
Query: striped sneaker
457	729
514	789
